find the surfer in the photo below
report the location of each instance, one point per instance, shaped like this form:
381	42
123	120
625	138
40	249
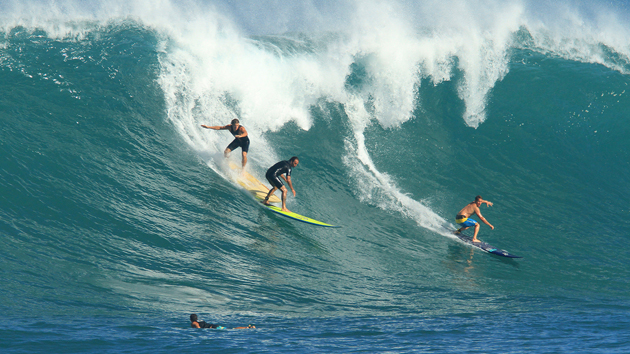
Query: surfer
277	170
195	323
463	220
240	138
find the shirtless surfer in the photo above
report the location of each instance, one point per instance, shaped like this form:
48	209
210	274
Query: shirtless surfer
462	217
277	170
240	138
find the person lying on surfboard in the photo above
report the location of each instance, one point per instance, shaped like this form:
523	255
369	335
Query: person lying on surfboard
463	220
240	138
195	323
277	170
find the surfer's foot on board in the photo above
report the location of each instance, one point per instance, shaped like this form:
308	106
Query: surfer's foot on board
475	240
266	202
286	210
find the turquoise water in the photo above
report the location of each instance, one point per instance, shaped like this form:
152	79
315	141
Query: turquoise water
119	218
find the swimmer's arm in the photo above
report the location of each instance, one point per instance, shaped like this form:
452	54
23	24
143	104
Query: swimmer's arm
195	325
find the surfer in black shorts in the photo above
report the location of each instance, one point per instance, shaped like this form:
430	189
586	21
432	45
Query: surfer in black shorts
274	173
195	323
240	138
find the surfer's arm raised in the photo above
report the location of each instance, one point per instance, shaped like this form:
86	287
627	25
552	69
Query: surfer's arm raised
487	202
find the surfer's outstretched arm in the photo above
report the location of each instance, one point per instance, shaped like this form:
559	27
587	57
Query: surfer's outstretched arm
215	127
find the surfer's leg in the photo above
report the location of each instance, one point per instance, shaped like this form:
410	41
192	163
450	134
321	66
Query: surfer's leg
462	223
244	159
233	145
244	143
266	200
284	198
468	224
474	239
461	229
275	184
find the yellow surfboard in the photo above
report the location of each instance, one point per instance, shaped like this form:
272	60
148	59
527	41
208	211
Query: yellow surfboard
253	185
260	191
298	217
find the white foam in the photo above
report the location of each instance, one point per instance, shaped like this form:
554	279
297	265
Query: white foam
403	41
377	187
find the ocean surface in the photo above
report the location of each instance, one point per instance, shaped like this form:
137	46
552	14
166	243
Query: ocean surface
119	217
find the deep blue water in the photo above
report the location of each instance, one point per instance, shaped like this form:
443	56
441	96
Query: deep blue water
119	218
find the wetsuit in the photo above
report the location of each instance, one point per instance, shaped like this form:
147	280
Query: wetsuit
203	324
274	172
243	142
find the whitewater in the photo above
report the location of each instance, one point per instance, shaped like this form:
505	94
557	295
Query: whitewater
119	217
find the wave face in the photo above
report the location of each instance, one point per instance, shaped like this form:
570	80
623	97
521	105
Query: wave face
117	207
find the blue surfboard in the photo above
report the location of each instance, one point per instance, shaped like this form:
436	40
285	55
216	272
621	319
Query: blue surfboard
485	246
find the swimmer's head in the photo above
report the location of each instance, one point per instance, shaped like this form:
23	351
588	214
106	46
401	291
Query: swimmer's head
193	318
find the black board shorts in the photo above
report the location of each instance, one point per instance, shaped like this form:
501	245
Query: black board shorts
243	143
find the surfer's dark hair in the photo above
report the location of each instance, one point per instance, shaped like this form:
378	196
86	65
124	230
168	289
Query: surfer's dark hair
193	318
478	198
293	159
234	121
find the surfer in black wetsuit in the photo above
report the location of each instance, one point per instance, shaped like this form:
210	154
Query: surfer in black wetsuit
195	323
240	138
273	174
